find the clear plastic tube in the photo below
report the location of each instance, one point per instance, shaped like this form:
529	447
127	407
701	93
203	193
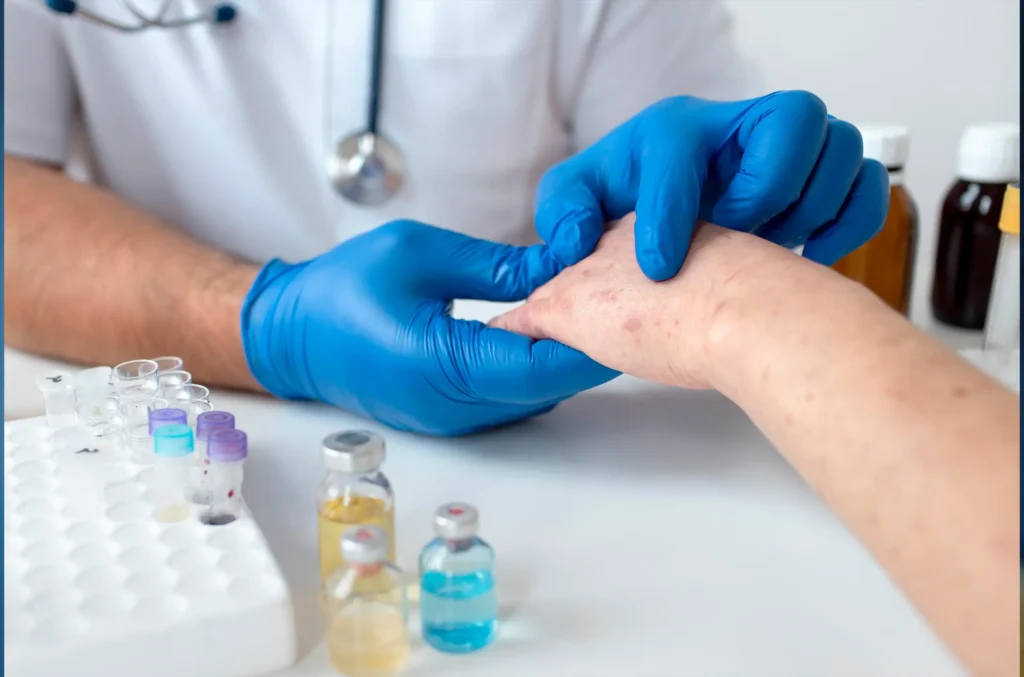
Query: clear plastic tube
168	363
136	380
59	399
169	380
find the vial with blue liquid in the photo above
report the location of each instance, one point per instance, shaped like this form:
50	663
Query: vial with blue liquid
458	606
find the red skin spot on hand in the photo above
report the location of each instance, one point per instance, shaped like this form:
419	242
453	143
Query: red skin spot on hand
675	322
603	295
586	272
632	324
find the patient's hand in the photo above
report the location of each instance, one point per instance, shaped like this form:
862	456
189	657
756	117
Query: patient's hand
607	308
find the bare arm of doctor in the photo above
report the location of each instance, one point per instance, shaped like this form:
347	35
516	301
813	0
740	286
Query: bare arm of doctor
917	451
76	256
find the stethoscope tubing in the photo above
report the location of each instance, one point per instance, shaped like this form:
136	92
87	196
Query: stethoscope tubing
376	67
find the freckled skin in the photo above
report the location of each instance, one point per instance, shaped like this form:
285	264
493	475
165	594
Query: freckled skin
959	392
632	324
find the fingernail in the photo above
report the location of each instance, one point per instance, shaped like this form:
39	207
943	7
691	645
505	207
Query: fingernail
567	249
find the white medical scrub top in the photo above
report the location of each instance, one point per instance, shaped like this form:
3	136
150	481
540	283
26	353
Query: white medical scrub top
224	131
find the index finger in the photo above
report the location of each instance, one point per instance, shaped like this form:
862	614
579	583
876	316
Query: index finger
781	138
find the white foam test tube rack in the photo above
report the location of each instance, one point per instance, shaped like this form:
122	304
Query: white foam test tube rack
94	586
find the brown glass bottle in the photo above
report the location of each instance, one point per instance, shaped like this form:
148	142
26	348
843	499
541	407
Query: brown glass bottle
968	239
885	265
965	261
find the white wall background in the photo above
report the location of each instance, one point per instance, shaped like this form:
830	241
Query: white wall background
932	65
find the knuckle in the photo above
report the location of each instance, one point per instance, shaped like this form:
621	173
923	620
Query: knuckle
402	234
846	138
806	103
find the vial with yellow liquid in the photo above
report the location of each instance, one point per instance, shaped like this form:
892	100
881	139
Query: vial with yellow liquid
354	493
366	607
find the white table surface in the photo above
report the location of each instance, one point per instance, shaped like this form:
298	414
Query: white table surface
640	531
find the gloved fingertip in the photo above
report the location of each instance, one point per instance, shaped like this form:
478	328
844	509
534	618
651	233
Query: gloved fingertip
575	235
654	266
661	246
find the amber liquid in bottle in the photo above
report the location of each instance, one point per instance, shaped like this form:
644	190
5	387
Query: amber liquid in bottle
965	261
885	265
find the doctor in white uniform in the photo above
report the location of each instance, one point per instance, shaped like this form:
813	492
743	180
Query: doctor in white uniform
215	226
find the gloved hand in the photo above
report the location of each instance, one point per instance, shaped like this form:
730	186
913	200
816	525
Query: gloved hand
778	166
366	327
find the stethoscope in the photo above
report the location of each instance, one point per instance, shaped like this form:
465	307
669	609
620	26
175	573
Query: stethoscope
221	14
366	167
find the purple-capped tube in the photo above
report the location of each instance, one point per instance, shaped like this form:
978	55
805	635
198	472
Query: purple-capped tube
207	423
158	418
227	451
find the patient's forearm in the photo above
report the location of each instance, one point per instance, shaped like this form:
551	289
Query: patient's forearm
912	447
91	279
916	450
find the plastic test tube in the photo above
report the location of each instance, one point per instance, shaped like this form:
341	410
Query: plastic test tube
168	363
227	450
206	424
59	399
158	418
173	446
1002	326
169	380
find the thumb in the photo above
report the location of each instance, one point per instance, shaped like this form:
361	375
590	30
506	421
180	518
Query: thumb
668	202
457	266
569	217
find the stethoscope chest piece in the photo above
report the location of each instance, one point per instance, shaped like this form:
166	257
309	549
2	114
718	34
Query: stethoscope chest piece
367	168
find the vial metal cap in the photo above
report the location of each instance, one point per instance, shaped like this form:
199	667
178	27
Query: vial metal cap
364	545
456	521
353	451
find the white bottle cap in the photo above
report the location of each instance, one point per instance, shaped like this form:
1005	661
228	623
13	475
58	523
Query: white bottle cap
889	144
990	153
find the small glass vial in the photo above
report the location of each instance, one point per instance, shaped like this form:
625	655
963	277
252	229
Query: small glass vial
1002	326
885	264
59	399
199	490
173	449
227	452
353	493
366	607
458	605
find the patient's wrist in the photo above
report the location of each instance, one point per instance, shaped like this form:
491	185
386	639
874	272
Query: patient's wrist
772	304
724	271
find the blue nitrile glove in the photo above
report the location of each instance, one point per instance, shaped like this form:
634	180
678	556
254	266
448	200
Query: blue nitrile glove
778	166
366	326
